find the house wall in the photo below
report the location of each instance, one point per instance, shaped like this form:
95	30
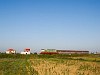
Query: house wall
7	52
10	52
25	52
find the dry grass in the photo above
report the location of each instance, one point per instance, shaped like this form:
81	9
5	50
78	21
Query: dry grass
65	67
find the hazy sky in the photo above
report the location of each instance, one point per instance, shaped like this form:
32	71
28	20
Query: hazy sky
59	24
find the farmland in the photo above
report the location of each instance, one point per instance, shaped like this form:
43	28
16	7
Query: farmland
16	64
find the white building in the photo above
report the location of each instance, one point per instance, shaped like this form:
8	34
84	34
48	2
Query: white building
26	51
10	51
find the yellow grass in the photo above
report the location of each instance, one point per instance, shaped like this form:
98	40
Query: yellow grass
65	67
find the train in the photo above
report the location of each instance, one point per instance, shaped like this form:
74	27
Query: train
54	51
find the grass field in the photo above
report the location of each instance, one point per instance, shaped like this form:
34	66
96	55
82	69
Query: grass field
49	64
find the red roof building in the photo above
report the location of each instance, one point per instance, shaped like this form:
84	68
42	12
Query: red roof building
10	51
27	50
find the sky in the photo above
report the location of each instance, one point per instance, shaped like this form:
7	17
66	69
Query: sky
53	24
